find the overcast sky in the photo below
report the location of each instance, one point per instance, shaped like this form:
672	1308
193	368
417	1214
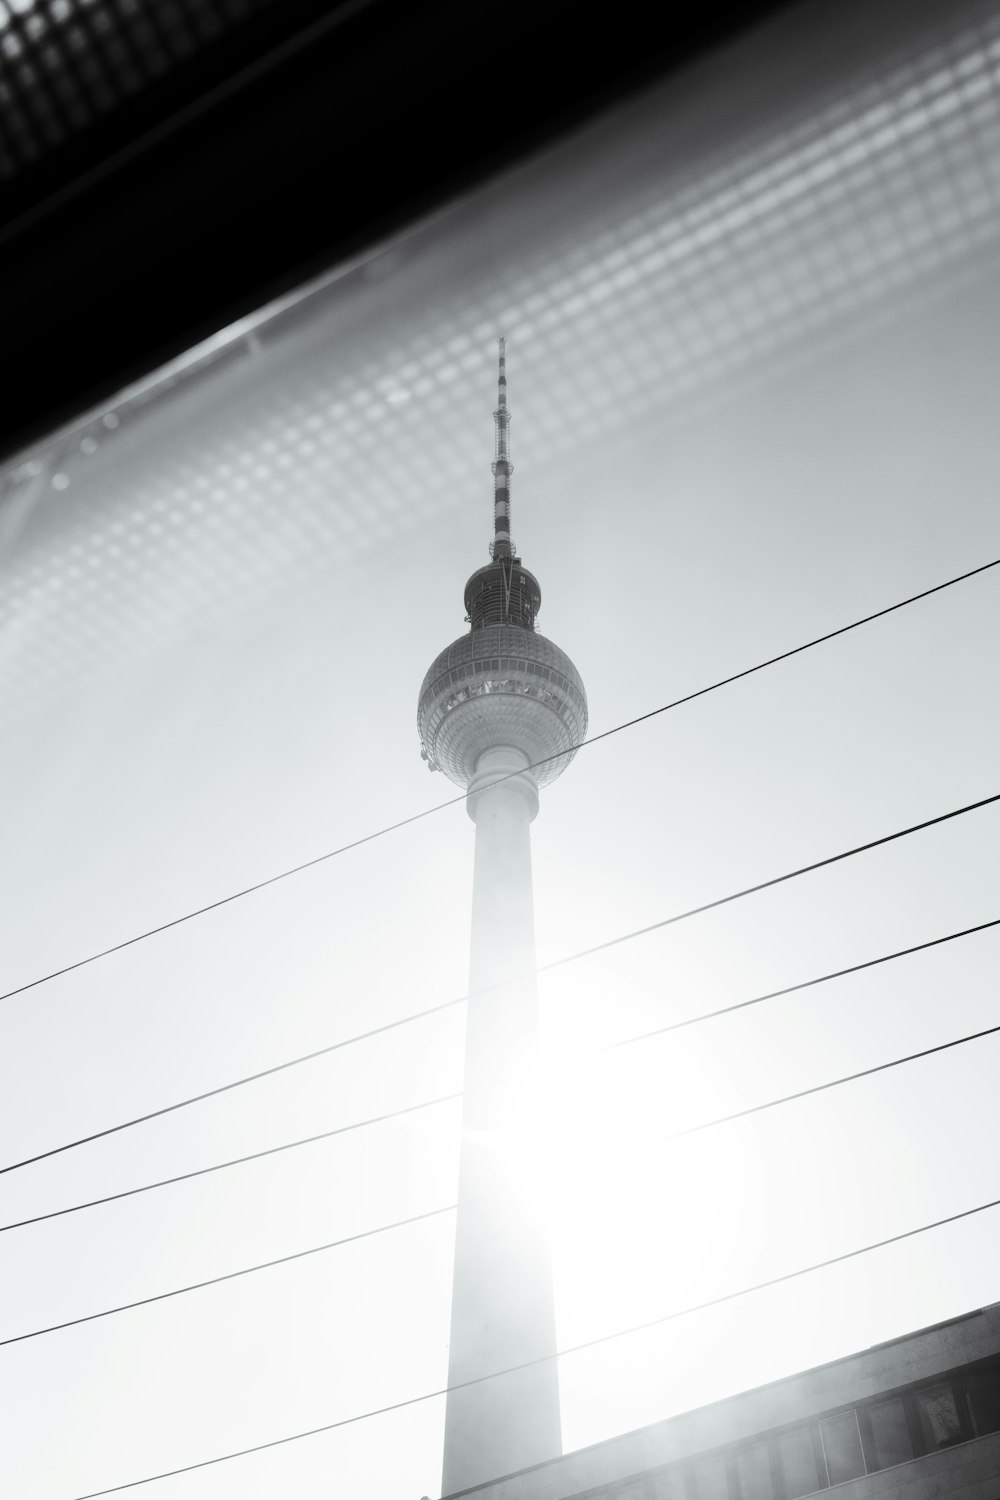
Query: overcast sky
179	753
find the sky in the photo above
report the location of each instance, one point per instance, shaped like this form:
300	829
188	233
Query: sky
211	678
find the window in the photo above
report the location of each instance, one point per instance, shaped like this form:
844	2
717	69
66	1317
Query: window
753	1469
668	1484
800	1463
888	1438
842	1447
938	1414
710	1482
983	1390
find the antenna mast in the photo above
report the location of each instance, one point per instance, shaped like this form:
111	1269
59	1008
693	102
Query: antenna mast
501	545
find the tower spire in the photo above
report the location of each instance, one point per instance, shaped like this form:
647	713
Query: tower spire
501	545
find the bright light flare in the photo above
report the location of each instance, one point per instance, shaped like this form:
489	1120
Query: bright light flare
643	1221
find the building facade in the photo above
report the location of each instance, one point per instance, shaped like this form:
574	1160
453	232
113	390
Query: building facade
917	1418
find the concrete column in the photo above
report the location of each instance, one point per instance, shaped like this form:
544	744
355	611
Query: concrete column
502	1305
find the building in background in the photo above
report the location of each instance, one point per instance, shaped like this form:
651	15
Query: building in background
917	1418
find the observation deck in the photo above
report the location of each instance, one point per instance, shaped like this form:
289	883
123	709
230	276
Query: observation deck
501	685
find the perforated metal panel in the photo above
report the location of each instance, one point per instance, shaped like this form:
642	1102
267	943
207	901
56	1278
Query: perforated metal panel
66	63
290	442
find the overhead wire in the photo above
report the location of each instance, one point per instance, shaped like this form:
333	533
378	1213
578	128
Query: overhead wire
235	1161
440	1099
832	1083
198	1286
802	984
427	812
557	963
673	1135
602	947
571	1349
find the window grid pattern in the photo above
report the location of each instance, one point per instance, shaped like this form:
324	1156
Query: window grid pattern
748	266
834	1448
66	63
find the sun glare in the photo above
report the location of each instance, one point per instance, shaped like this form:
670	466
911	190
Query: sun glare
644	1221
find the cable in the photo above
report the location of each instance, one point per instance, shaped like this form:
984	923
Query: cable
197	1286
236	1083
557	963
804	984
740	1114
833	1083
378	833
236	1161
763	885
309	1140
604	1338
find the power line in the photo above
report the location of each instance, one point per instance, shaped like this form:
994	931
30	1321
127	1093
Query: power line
763	885
409	1109
197	1286
235	1161
833	1083
378	833
604	1338
804	984
266	1265
237	1083
557	963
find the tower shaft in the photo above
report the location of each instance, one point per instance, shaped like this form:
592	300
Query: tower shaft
502	1303
495	702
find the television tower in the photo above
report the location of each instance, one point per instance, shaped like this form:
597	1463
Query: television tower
496	703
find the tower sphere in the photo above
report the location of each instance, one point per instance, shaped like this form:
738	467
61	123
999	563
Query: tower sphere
502	685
